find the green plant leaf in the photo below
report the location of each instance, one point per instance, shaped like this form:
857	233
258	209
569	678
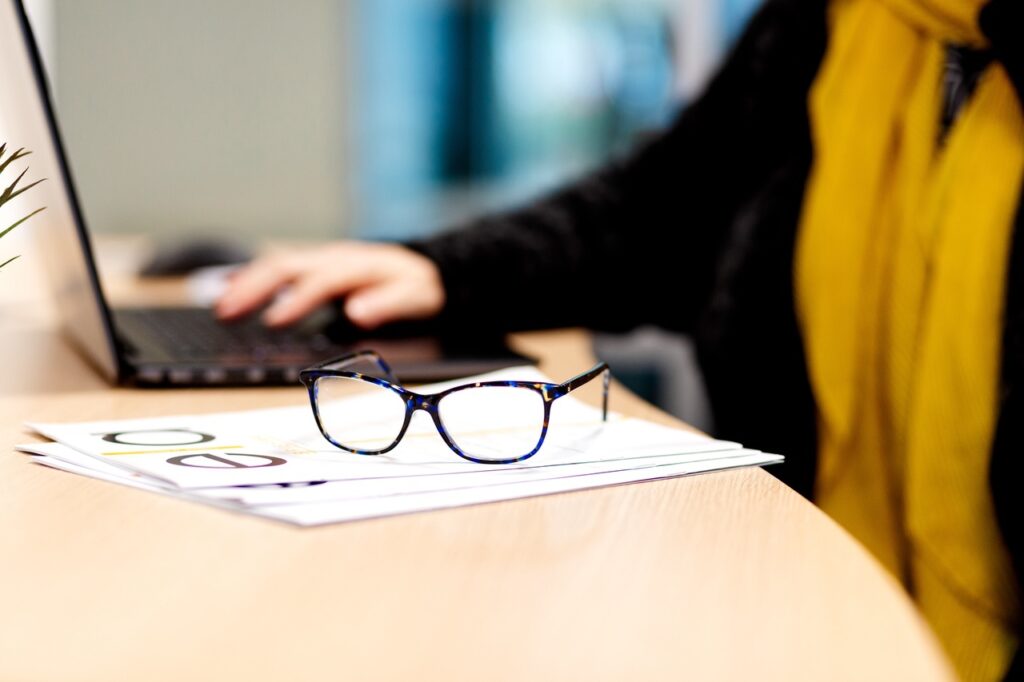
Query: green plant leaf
9	193
12	191
23	189
38	210
21	153
6	195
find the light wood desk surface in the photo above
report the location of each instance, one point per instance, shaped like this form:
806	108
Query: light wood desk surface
726	576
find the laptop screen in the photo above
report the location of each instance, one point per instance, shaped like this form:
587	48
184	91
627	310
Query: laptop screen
26	120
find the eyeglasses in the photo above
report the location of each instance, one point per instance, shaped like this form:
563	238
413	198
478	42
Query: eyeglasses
491	422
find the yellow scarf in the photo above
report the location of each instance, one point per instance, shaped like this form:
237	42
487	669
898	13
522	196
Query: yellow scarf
900	272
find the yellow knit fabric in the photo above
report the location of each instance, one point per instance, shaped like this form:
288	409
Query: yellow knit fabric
900	280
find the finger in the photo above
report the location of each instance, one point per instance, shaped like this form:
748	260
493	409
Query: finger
253	286
310	292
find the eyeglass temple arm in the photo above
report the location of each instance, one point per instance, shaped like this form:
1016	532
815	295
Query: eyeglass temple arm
361	356
572	384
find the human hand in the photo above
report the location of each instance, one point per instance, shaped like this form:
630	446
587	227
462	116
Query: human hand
380	283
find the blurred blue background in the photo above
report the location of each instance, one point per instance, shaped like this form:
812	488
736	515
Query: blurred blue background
467	106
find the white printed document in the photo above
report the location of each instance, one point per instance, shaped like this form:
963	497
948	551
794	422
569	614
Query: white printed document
275	463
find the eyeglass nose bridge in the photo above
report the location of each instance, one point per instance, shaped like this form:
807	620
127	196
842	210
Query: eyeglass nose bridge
427	403
421	402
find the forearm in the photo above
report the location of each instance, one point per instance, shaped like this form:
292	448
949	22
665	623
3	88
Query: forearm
568	259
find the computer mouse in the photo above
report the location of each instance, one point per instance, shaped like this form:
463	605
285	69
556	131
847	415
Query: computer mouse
181	258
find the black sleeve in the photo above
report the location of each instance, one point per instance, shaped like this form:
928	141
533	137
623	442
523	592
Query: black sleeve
637	242
1002	21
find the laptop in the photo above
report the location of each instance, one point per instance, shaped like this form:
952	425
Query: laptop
183	346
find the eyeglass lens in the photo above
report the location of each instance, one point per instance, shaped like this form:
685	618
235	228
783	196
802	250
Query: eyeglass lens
359	415
493	423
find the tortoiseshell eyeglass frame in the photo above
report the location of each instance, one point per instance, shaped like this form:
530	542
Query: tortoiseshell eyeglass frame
429	402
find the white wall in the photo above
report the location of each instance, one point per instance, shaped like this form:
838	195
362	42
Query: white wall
194	115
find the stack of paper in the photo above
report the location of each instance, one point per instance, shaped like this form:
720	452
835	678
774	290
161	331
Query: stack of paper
274	463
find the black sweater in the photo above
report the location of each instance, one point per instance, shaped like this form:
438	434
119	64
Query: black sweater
695	232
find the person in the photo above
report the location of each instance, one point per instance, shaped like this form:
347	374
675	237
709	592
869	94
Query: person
834	221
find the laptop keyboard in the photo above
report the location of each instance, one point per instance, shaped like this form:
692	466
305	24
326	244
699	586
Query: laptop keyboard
195	334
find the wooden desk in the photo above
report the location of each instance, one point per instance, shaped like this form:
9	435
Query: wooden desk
723	576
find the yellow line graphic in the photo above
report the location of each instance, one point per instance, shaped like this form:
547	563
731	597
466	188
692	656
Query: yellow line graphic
166	450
